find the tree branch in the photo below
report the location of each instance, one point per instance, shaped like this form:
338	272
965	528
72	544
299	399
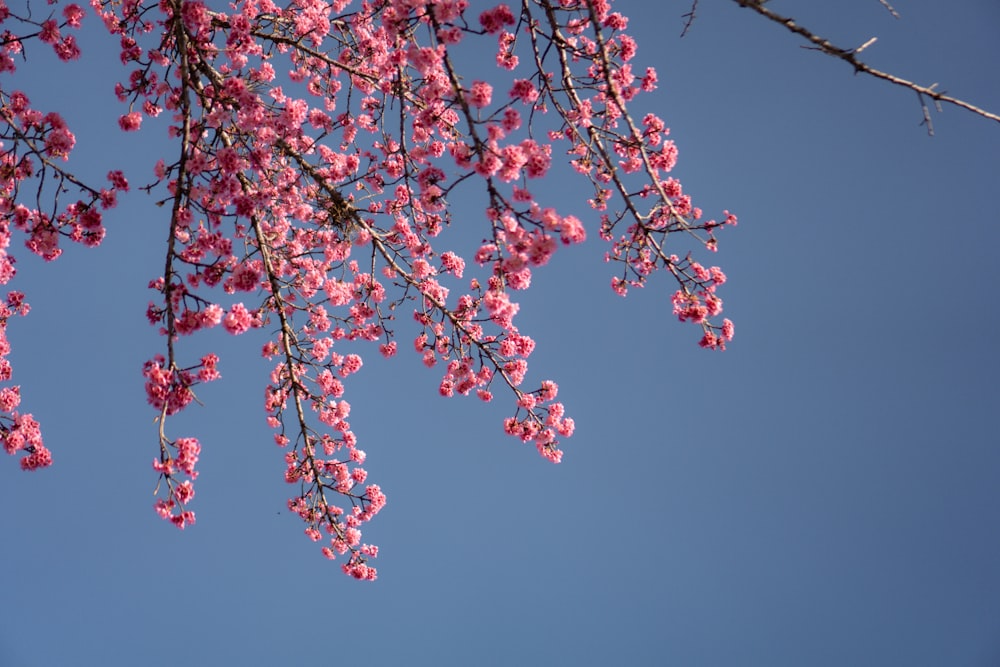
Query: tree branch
850	56
690	17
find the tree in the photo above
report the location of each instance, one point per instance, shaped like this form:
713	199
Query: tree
316	149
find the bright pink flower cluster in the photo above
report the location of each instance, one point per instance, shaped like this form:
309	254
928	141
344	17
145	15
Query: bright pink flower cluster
50	33
169	390
19	432
185	455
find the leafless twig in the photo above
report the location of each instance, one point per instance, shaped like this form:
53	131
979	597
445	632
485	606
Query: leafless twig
865	45
889	7
689	17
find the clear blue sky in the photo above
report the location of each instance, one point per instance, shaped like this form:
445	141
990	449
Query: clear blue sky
824	493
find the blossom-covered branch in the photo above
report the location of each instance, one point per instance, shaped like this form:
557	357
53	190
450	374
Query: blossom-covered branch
318	146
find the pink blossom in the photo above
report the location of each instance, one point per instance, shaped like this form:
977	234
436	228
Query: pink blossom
351	365
649	80
184	492
727	329
452	35
524	90
73	14
571	230
10	398
539	159
40	457
66	48
59	142
130	122
480	94
211	315
188	451
452	263
526	401
49	32
548	391
238	320
493	20
246	277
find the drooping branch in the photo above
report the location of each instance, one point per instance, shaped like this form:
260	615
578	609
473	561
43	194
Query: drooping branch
317	151
850	56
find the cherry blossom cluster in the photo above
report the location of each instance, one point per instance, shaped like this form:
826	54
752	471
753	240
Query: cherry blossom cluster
48	30
19	432
317	146
34	187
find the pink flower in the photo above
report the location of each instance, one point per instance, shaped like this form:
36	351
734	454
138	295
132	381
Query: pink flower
649	81
130	122
511	119
572	230
481	94
10	398
74	15
527	401
711	341
238	320
351	365
452	35
67	49
245	277
50	32
493	20
211	315
184	492
40	457
453	264
548	391
539	158
524	90
59	142
727	329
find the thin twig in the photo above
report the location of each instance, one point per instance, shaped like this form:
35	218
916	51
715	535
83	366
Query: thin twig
689	17
927	115
865	45
890	8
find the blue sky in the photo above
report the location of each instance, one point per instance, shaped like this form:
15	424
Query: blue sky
823	493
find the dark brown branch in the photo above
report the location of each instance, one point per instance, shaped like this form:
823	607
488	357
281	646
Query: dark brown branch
850	56
690	17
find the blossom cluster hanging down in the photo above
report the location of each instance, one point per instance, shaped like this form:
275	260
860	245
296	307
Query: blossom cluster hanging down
317	144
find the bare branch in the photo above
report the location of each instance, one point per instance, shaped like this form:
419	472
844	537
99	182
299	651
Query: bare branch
850	56
690	17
